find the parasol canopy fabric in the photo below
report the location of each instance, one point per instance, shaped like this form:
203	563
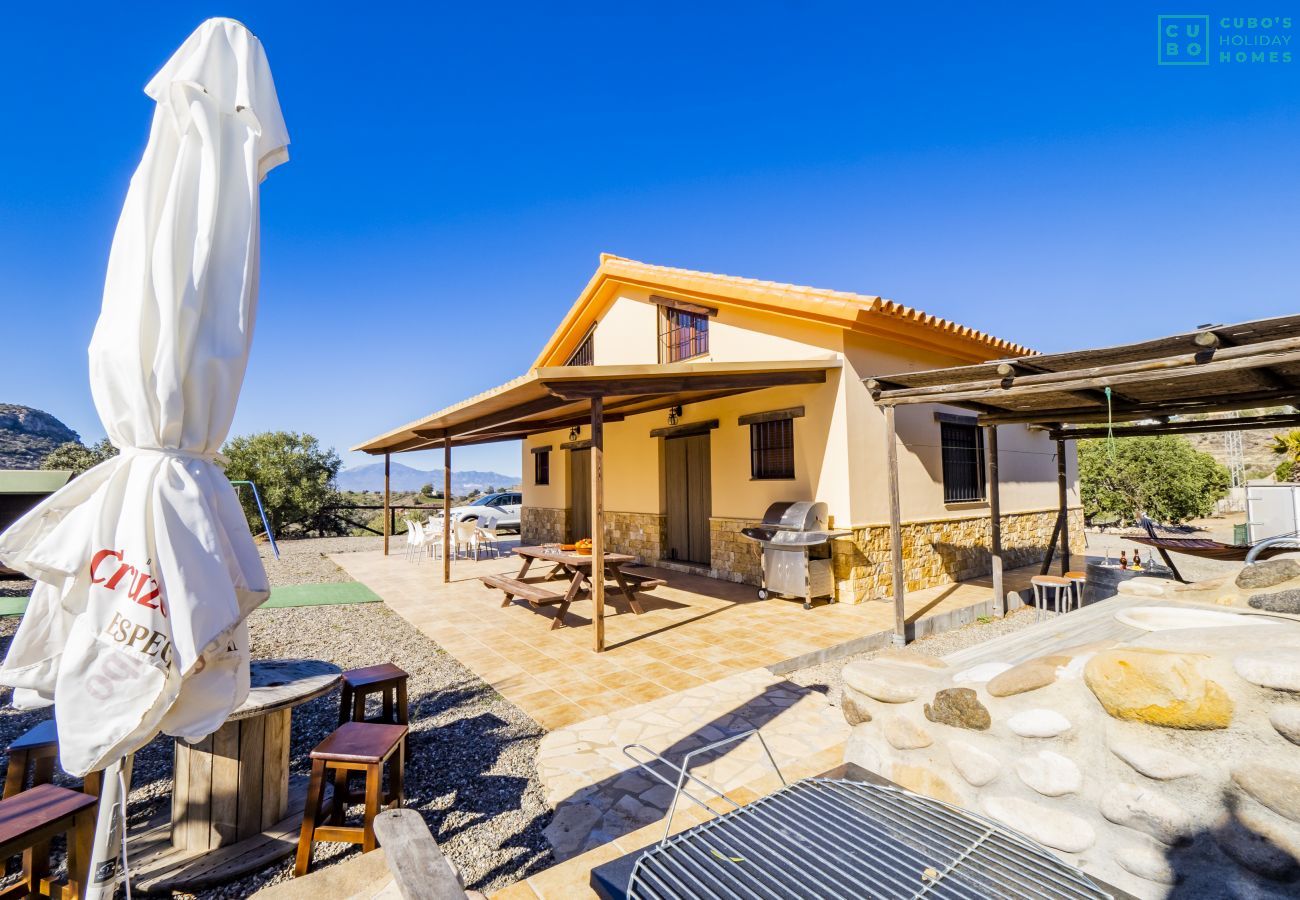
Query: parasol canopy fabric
145	566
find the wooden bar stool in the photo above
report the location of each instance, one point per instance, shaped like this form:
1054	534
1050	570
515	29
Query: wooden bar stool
29	820
1078	581
1050	589
385	679
32	758
353	747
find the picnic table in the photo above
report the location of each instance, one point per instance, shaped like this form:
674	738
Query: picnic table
577	568
233	809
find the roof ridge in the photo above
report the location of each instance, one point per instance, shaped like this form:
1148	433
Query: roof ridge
872	302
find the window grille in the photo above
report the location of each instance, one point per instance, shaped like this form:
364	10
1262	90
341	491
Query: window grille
771	449
682	335
542	467
963	462
585	355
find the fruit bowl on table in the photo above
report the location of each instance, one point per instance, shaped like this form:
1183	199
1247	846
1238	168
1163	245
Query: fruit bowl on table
583	547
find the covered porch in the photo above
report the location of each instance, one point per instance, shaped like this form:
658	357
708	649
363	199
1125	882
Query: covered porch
551	399
694	630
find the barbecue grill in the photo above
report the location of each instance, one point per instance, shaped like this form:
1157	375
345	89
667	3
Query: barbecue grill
796	551
838	837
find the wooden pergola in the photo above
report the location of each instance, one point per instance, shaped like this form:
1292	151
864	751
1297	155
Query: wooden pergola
559	397
1157	385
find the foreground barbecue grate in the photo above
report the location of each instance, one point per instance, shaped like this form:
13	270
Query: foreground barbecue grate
829	838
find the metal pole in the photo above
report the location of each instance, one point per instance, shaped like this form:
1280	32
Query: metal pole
895	527
388	528
1062	493
446	510
598	518
995	524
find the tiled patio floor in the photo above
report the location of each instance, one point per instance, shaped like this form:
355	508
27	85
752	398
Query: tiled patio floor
694	630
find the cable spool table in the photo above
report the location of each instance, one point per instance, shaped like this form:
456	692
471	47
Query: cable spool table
233	809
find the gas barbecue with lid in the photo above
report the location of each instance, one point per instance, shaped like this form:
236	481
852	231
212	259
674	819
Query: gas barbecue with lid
796	551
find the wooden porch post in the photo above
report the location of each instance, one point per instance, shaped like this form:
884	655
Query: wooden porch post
387	527
446	510
598	519
995	523
1062	495
895	527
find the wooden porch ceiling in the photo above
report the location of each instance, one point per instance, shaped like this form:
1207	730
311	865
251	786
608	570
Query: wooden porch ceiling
1219	368
554	398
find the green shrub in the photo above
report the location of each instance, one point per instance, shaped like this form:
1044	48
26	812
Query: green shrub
1164	478
293	474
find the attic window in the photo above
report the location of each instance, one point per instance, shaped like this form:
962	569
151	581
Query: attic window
682	335
585	355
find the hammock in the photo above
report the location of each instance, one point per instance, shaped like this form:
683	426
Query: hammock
1205	548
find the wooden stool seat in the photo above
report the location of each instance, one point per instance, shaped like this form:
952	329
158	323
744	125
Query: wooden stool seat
360	742
1051	580
385	679
29	820
373	675
1053	591
1076	575
364	747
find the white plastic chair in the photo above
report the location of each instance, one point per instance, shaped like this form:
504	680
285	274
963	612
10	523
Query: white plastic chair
467	537
488	537
411	544
432	539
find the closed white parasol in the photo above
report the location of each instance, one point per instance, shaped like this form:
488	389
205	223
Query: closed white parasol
145	566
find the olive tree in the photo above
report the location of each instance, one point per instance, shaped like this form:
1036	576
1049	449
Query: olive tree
78	457
294	475
1163	477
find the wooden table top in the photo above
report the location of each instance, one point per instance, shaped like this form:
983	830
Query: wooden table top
570	557
282	683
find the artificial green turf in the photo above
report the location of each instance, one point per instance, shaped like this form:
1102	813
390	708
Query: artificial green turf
333	594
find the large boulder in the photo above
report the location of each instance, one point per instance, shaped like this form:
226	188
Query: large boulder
1045	824
1158	687
1028	676
1276	788
1267	574
1277	668
1287	601
960	708
888	682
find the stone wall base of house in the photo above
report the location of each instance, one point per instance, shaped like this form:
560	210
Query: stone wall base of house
734	557
936	552
942	551
542	524
636	534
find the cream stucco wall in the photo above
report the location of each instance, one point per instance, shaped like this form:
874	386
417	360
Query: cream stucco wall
627	334
1027	459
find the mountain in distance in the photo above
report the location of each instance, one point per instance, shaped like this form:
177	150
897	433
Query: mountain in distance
28	435
405	478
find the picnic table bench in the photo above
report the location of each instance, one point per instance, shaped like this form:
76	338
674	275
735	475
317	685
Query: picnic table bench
578	567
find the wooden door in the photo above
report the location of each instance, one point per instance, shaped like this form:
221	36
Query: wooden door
688	502
579	495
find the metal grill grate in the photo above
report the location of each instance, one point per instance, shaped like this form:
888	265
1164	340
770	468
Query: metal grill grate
829	838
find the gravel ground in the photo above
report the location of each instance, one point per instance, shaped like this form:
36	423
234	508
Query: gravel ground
303	561
16	587
827	678
471	768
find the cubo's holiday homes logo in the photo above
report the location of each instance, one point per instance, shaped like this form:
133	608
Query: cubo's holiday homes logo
1199	40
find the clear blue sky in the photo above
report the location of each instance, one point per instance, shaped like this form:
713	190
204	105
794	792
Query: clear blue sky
457	168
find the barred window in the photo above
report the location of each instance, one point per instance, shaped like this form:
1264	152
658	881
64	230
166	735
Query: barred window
542	467
585	355
963	462
682	335
771	449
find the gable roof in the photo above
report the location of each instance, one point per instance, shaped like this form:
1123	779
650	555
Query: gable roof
861	313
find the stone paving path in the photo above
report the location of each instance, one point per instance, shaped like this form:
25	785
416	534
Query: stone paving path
599	794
